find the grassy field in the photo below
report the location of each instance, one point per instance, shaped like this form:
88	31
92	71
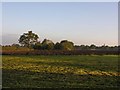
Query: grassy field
60	71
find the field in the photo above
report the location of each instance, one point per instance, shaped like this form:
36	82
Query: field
75	71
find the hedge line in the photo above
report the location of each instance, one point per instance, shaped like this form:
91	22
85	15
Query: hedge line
58	52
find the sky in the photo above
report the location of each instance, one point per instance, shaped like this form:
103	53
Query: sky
80	22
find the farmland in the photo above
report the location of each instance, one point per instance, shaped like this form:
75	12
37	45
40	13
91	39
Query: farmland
58	71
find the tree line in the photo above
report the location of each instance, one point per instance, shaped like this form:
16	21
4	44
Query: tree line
30	40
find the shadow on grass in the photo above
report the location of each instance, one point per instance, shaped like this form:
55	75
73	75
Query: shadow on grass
29	79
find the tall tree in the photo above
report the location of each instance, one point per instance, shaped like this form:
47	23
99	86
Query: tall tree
28	39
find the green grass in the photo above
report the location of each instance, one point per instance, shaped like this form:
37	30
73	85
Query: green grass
60	71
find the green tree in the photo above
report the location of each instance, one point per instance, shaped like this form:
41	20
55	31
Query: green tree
57	46
47	44
28	39
66	45
37	46
92	46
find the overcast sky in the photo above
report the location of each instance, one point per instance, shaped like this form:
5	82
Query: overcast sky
83	23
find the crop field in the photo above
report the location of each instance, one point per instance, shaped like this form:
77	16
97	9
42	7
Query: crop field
60	71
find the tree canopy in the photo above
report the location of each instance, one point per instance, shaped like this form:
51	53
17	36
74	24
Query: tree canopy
47	44
66	45
28	39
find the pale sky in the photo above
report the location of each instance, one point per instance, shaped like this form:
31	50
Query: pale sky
80	22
